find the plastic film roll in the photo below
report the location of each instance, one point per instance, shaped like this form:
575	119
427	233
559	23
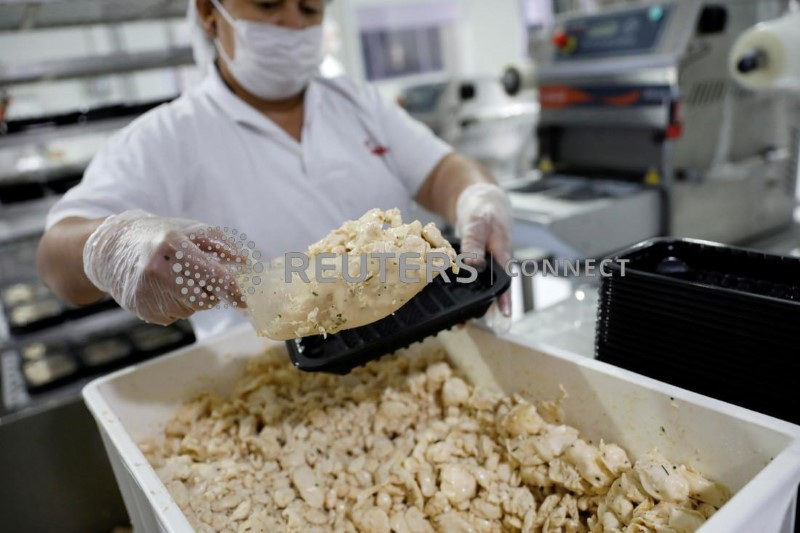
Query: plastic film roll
767	56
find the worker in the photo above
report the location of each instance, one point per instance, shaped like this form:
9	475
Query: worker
264	145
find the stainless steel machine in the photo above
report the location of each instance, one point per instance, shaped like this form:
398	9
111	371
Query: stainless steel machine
643	132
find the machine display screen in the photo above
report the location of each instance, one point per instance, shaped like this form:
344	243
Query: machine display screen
604	30
630	31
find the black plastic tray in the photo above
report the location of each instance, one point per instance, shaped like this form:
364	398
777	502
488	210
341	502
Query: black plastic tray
726	270
179	338
62	348
711	320
718	320
74	347
439	306
83	116
67	312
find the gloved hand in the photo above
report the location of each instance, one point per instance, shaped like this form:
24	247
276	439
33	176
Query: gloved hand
162	269
483	222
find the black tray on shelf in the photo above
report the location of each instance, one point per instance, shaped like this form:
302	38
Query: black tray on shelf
56	359
151	339
64	313
439	306
17	192
718	320
82	116
88	363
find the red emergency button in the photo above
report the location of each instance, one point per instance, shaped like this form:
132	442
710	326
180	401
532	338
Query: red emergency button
674	131
561	39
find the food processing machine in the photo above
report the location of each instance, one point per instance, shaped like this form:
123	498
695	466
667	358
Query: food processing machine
643	132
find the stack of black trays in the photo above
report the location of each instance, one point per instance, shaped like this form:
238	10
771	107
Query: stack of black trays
717	320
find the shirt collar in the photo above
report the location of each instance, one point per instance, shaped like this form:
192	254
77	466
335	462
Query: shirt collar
242	112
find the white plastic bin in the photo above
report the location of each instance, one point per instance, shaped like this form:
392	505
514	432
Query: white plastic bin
756	456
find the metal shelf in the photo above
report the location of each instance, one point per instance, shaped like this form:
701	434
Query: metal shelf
43	129
34	14
24	219
47	134
23	404
46	174
94	66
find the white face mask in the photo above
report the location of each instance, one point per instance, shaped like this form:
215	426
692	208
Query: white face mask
270	61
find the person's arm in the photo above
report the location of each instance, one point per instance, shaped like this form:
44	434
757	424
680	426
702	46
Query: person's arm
139	259
449	184
59	260
439	193
466	195
144	166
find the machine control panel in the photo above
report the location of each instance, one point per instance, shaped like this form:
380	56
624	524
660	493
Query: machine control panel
625	32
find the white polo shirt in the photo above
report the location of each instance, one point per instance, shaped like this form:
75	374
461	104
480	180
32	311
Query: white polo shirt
211	157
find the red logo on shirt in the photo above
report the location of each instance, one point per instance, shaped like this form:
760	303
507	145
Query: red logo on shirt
376	149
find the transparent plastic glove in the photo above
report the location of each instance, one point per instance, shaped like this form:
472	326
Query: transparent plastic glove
162	269
483	222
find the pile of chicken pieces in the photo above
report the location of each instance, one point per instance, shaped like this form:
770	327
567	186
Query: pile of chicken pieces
405	445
